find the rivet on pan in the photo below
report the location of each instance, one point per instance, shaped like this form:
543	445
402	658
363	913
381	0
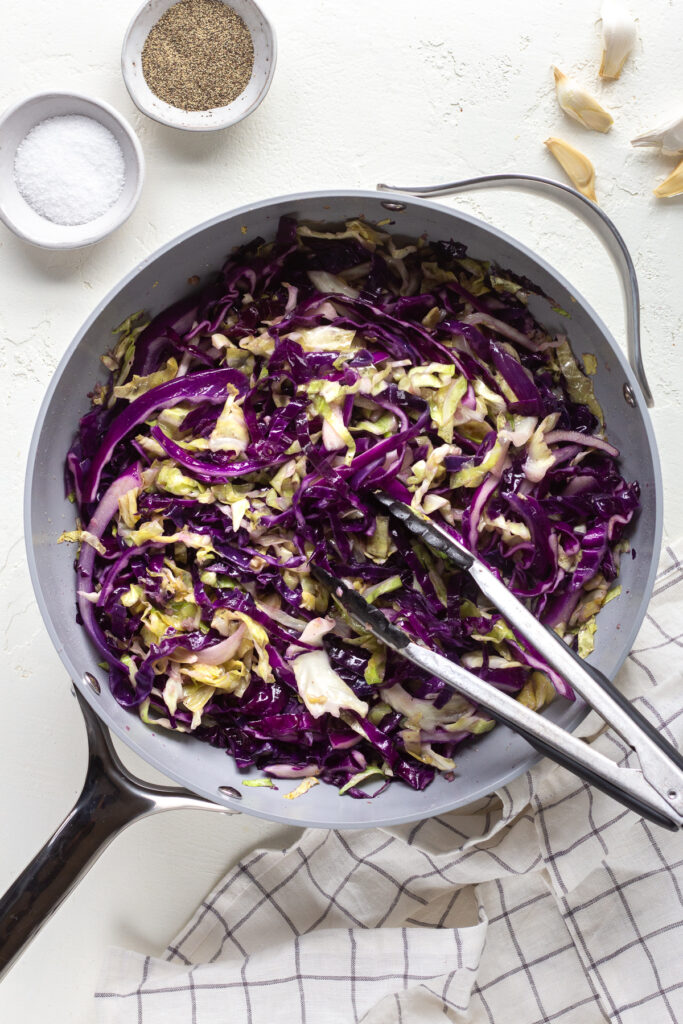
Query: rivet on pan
92	682
629	396
230	791
672	794
388	205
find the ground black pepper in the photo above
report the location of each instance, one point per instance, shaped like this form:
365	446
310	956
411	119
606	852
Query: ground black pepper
199	55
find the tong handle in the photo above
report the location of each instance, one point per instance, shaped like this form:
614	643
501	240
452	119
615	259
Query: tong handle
623	796
661	763
641	723
628	785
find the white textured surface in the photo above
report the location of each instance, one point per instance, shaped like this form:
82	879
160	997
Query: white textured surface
364	92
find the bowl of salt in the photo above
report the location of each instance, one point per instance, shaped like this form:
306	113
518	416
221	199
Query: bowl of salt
71	170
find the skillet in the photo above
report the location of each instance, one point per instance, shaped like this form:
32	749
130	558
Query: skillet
111	798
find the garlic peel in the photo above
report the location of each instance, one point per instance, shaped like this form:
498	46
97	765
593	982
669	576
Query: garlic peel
578	103
671	186
668	138
576	166
618	38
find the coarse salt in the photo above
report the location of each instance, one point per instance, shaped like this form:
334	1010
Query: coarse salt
69	169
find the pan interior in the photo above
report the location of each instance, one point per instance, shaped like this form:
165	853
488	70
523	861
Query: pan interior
482	766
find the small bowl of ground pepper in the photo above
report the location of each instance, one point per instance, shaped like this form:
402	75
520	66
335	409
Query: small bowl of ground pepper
199	65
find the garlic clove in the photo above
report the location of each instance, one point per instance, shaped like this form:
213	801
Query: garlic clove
668	138
671	186
576	165
578	103
618	38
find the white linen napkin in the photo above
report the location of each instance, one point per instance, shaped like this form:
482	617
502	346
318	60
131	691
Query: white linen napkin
546	902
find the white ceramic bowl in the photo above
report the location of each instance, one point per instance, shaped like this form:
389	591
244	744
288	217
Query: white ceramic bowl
265	55
17	122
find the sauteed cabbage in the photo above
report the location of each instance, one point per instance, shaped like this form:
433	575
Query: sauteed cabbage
240	435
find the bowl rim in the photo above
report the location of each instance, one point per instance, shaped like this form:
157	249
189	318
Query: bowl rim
137	165
208	126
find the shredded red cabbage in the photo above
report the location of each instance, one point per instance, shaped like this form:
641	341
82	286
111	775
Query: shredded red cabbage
239	437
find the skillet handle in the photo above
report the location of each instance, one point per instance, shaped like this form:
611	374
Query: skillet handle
599	223
111	799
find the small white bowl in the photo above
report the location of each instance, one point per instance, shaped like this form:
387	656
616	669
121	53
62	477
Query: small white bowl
265	56
22	219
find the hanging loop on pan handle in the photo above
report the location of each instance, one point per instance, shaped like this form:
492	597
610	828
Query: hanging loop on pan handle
111	799
591	214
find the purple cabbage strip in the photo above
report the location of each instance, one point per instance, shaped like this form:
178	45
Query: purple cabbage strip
195	388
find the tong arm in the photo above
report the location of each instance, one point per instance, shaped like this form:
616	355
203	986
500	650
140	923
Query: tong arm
661	763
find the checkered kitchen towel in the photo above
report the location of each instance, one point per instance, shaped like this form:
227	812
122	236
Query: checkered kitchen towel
546	902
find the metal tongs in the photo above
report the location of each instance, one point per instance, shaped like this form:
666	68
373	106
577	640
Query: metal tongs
654	790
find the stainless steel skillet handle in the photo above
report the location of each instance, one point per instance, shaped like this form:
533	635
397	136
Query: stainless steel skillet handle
111	799
590	214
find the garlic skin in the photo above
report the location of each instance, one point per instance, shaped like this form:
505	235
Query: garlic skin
668	138
576	166
618	38
578	103
671	186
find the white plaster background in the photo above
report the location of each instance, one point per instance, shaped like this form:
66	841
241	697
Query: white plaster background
365	91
